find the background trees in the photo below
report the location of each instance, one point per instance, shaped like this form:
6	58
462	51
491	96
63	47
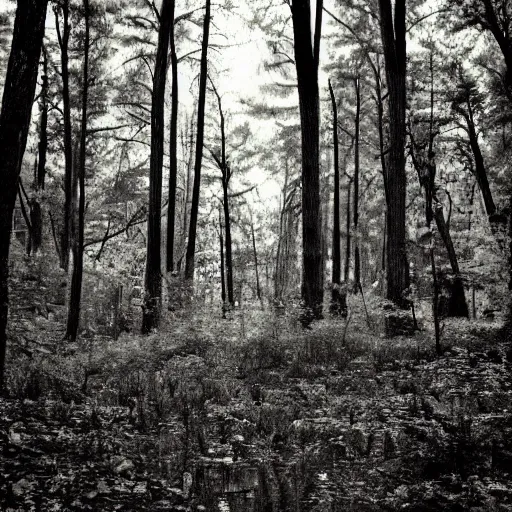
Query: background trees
286	144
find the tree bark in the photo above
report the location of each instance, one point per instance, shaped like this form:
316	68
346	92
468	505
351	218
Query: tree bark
229	243
18	95
394	45
225	170
348	241
457	305
63	38
478	158
191	247
222	268
173	147
73	320
186	204
153	275
306	63
255	254
43	124
279	274
348	251
36	212
336	249
357	259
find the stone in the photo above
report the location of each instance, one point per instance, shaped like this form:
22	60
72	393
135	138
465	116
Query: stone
122	466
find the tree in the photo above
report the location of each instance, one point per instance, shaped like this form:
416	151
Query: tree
153	276
493	17
73	320
18	95
467	104
307	53
63	35
394	46
173	147
286	250
222	162
255	254
222	267
36	214
336	298
357	124
191	247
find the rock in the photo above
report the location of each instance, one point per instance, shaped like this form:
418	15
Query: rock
22	487
122	466
14	434
103	488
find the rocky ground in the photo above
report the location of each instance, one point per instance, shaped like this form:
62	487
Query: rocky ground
208	421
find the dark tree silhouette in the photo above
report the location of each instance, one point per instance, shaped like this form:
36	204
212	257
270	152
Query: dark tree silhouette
36	213
357	257
191	247
62	8
394	45
73	320
18	95
336	241
222	268
307	51
153	276
173	148
225	169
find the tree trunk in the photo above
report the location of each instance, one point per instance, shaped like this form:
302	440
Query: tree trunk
306	63
36	212
480	170
357	259
255	253
435	300
43	124
394	45
173	148
63	38
225	170
457	304
348	250
186	204
73	321
191	247
36	221
26	217
336	252
229	244
18	95
380	124
153	275
222	268
278	275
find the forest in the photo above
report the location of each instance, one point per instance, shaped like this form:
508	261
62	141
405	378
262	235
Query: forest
256	256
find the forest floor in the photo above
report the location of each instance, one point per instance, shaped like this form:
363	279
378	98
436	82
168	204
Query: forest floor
254	413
